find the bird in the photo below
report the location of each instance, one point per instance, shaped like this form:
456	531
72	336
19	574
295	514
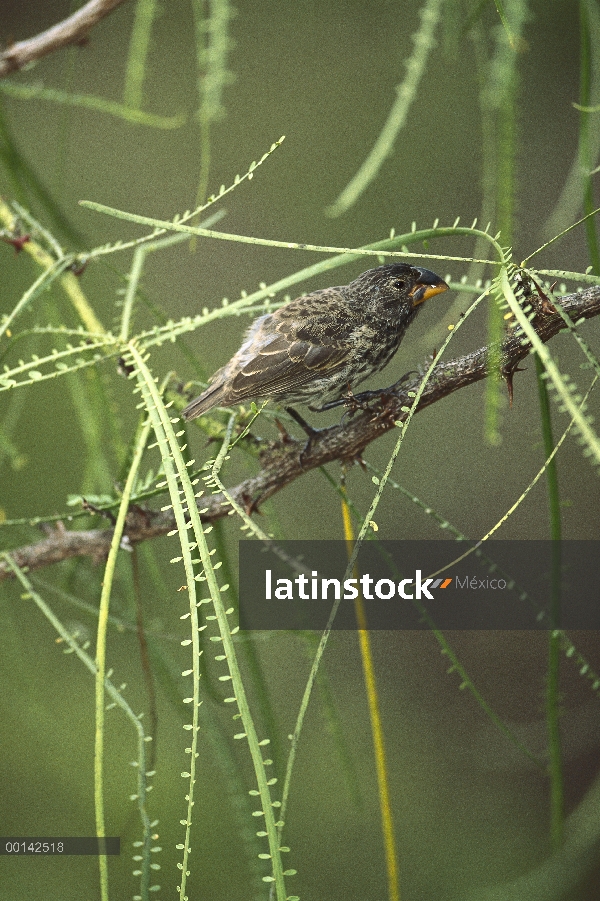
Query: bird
315	349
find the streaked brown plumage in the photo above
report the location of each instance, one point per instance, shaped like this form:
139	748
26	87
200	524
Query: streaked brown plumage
313	349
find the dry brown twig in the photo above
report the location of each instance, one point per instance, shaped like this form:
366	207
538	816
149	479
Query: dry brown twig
73	30
287	460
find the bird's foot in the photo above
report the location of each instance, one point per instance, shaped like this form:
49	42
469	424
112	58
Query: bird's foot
374	402
311	432
353	402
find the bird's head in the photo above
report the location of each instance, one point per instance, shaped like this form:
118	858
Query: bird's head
396	287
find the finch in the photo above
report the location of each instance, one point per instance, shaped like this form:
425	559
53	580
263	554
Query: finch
318	347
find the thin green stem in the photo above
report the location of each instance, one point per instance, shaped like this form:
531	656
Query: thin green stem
91	102
416	65
557	803
107	582
504	181
512	39
573	408
585	151
42	282
135	273
161	226
139	45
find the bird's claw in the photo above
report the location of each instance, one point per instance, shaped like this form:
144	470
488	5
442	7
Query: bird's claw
364	399
355	402
381	396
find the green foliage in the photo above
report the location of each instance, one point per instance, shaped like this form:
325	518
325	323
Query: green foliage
120	393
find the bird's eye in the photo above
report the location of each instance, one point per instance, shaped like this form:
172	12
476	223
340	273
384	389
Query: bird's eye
399	284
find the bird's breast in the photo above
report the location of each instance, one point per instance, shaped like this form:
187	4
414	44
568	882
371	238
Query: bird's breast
365	333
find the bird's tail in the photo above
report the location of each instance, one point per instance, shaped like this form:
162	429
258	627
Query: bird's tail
210	398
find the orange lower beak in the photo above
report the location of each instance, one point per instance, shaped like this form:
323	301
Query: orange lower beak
421	293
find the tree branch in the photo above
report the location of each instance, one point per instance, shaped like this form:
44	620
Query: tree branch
284	461
73	30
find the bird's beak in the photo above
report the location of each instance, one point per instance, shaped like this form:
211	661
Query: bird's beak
429	285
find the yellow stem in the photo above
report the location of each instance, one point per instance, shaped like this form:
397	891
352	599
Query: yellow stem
387	822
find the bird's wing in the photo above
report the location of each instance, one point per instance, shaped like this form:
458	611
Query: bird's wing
282	366
290	351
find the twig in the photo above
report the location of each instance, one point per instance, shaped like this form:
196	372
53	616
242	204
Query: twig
287	460
73	30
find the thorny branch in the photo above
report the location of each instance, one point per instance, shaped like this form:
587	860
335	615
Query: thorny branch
73	30
287	460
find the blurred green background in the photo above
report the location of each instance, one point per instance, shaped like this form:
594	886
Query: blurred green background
470	812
